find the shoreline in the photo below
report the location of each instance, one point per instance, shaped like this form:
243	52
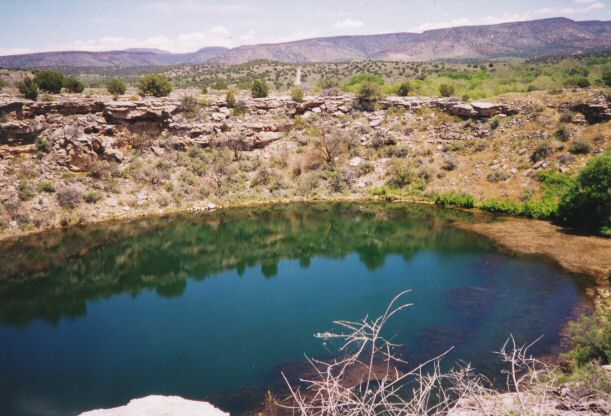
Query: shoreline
518	234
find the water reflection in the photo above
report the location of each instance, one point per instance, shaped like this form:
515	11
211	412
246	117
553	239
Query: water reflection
54	275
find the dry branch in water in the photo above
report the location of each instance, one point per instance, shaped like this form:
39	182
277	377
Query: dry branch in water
367	378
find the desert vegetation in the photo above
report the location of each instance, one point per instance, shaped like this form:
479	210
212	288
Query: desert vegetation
368	376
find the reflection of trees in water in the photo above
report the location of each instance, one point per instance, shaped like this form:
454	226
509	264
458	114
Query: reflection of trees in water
55	277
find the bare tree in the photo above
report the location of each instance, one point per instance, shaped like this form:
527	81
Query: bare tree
367	379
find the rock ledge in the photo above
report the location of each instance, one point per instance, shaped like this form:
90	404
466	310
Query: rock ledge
160	406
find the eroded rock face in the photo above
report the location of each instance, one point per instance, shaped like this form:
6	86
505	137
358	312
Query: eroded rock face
19	132
83	130
596	111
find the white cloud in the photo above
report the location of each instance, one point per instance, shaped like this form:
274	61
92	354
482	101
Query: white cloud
584	1
349	24
184	42
14	51
190	6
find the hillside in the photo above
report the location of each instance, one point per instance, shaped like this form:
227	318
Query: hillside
556	36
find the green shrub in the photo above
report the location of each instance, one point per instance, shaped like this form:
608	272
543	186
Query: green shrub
497	176
49	81
239	110
587	204
365	77
230	99
606	78
563	133
42	146
580	147
219	85
46	186
455	199
503	206
591	338
580	82
446	90
92	197
543	209
2	84
28	88
404	89
73	85
400	173
368	95
542	151
297	94
116	87
259	89
155	85
26	192
190	106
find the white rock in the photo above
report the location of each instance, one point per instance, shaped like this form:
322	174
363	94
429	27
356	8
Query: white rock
211	205
356	161
160	406
376	122
112	202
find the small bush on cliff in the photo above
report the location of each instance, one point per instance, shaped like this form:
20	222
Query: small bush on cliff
404	89
446	90
259	89
69	197
74	85
369	93
50	81
26	192
2	84
580	147
42	146
297	94
28	88
230	99
541	152
155	85
587	204
116	87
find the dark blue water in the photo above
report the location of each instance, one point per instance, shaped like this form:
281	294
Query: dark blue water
214	307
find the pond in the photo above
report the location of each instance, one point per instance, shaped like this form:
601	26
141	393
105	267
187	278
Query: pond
215	306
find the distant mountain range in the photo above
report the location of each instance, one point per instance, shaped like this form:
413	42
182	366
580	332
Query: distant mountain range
555	36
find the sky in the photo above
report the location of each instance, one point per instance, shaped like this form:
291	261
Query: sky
187	25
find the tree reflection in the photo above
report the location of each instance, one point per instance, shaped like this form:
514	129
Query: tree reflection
54	275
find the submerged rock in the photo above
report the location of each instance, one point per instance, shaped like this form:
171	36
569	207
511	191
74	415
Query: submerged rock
160	406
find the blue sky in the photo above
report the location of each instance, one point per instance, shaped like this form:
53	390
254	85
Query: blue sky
187	25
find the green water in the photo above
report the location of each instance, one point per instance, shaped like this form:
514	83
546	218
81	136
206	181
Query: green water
213	307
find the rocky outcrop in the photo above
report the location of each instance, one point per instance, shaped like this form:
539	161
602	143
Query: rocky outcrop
452	105
20	132
79	145
160	406
82	130
69	107
596	111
